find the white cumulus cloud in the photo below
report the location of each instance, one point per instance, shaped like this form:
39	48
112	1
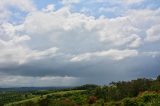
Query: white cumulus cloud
113	54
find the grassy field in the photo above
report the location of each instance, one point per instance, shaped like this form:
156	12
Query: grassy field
35	99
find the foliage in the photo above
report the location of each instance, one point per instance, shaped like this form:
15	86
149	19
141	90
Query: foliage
129	102
11	96
158	78
140	92
86	87
92	100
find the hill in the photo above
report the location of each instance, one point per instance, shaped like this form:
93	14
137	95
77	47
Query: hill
139	92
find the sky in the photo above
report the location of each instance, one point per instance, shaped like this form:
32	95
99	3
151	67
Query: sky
75	42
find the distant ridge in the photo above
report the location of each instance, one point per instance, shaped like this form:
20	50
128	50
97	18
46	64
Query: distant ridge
31	88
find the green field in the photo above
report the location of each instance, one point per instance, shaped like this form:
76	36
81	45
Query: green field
37	98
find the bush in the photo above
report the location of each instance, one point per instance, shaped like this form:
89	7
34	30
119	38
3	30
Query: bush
154	102
64	102
92	100
129	102
79	99
147	97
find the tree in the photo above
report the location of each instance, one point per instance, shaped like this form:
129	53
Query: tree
158	78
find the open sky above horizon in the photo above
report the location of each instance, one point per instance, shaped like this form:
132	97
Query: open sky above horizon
74	42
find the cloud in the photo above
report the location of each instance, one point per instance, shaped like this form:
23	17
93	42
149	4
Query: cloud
68	2
132	1
49	8
24	5
8	7
26	81
113	54
126	2
154	54
118	31
153	33
13	48
13	53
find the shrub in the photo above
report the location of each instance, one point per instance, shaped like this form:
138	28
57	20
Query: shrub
154	102
129	102
92	100
147	97
64	102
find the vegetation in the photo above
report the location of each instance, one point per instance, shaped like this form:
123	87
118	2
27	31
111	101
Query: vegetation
140	92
